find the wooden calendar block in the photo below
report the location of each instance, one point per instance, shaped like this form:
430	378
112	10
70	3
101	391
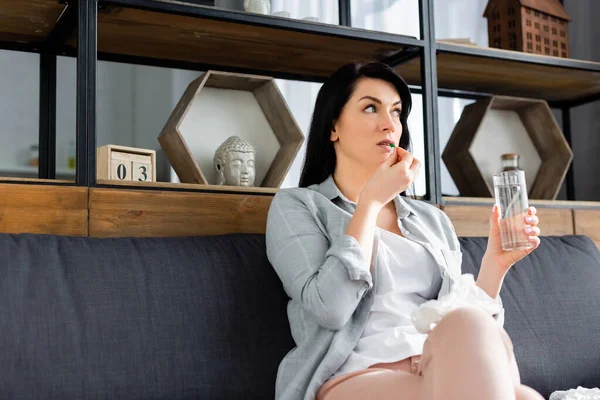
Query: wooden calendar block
142	172
120	170
122	163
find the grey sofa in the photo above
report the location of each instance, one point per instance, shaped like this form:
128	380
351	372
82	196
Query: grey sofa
205	317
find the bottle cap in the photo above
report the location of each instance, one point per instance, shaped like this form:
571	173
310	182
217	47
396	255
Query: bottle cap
510	156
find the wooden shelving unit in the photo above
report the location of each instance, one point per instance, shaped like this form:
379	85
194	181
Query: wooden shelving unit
180	34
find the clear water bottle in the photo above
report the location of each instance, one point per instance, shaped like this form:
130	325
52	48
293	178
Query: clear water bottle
510	162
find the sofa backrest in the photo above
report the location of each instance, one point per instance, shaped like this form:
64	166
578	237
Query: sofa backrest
170	318
205	317
552	303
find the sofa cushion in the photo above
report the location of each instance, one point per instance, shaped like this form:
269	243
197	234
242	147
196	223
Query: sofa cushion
205	317
139	318
552	303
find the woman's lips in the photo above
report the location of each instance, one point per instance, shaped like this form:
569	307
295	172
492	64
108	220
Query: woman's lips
385	147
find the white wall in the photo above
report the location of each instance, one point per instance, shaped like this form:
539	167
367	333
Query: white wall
19	106
153	102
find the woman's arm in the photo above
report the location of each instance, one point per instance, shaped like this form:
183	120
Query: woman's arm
496	261
362	227
490	278
327	279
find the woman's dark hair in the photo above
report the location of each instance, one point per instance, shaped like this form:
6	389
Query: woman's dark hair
320	159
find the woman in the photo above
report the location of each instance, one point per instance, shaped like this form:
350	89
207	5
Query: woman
356	259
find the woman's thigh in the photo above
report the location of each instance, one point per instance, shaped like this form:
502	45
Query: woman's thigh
401	384
380	384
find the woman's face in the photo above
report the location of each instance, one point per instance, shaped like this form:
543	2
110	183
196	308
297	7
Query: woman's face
368	123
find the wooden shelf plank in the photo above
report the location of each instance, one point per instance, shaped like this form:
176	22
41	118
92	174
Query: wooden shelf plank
489	201
474	220
28	20
517	74
190	186
44	209
123	212
487	71
212	37
34	180
587	222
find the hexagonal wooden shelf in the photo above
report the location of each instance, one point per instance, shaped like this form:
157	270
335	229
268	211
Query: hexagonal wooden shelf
545	142
271	102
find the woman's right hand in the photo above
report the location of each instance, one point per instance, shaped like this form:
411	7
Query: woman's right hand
392	177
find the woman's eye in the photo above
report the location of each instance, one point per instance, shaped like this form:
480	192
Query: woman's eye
397	113
370	108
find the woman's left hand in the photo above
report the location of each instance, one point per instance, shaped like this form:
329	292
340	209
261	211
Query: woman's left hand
503	258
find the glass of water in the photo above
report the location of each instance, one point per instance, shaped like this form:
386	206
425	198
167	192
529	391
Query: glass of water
510	189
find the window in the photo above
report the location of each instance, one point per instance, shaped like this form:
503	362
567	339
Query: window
545	17
537	25
497	43
498	28
545	28
512	45
555	53
511	11
554	43
513	36
564	54
512	24
538	48
528	22
554	31
530	46
547	50
562	22
538	38
546	41
529	35
494	28
528	10
562	34
563	46
537	14
553	19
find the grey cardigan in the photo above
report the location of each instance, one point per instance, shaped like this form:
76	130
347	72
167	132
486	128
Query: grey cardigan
329	282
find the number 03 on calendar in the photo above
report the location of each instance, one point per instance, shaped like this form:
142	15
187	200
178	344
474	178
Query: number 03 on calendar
122	163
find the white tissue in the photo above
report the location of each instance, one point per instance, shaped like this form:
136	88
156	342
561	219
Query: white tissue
464	293
580	393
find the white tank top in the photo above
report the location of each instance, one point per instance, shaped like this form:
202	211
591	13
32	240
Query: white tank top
407	276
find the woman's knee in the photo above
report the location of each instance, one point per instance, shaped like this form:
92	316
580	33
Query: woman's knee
467	319
467	327
526	393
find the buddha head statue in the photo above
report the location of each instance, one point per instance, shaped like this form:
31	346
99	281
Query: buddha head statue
234	162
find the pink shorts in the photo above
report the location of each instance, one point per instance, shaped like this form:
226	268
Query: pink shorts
411	365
